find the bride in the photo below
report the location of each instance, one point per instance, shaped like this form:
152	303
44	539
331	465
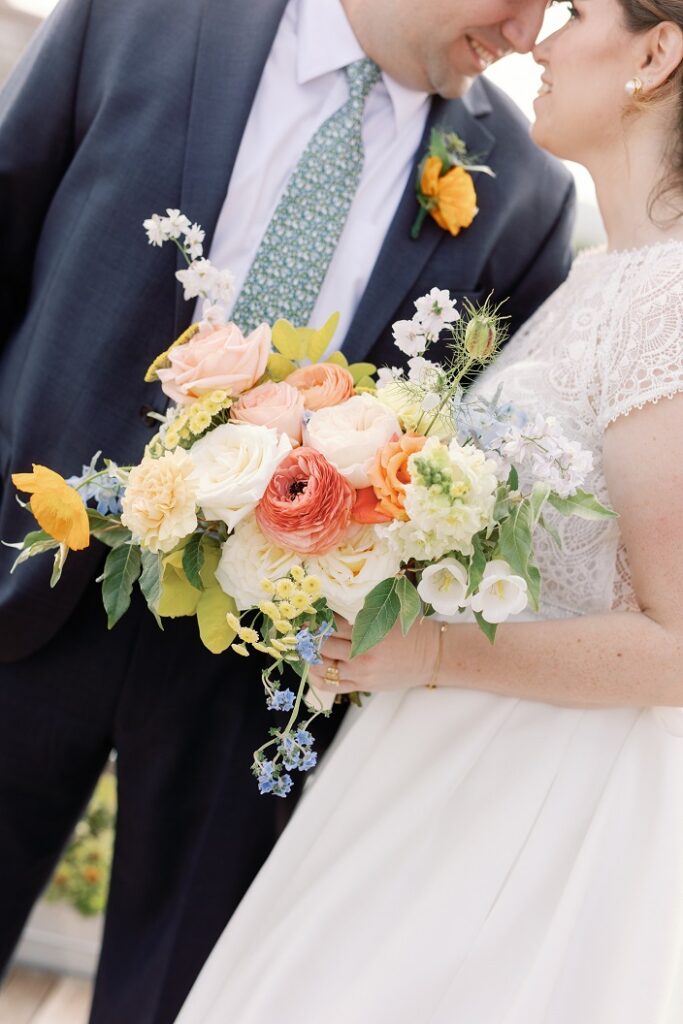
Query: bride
508	847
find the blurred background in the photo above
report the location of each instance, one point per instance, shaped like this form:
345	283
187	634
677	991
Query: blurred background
49	983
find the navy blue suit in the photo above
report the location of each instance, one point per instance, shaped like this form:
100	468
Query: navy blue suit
120	108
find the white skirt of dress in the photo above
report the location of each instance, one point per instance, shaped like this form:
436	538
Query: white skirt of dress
466	858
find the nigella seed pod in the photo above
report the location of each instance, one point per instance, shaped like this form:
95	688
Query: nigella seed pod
480	338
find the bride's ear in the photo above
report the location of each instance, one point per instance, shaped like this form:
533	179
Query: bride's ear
661	54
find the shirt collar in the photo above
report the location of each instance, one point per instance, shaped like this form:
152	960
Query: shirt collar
326	43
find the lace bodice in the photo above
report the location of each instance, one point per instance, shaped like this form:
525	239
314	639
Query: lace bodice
610	339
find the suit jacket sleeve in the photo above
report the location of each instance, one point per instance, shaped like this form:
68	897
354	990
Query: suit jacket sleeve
37	109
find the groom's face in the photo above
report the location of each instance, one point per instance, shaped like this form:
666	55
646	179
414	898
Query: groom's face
439	46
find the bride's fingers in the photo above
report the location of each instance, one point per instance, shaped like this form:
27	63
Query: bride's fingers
343	628
337	649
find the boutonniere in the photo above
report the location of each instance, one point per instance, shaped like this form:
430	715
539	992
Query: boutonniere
445	188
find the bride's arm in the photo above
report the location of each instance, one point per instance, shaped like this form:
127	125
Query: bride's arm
617	658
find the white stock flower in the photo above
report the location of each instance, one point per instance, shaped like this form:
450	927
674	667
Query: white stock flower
349	572
435	310
160	501
247	558
156	231
234	464
350	434
409	337
175	223
444	586
500	593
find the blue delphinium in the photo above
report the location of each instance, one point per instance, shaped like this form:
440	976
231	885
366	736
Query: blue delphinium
308	644
105	489
281	700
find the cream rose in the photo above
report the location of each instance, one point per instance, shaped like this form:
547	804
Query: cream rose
247	558
350	435
218	357
272	404
234	464
349	572
404	401
160	501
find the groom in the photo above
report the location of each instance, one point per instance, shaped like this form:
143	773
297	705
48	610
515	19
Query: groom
119	110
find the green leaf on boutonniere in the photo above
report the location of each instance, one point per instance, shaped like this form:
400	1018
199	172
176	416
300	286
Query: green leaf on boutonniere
377	616
193	560
583	505
121	570
409	601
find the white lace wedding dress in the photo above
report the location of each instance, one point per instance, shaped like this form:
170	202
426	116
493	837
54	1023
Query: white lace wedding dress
465	858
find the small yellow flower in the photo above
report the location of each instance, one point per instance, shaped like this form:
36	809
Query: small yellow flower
171	439
200	419
233	621
300	601
267	586
284	588
297	573
287	643
270	609
266	649
283	625
287	610
250	636
311	585
162	361
57	507
240	649
220	398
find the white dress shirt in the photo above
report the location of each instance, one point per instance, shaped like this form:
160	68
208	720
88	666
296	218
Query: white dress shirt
303	83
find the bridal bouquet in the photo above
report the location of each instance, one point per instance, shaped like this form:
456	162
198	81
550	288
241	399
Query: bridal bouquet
285	486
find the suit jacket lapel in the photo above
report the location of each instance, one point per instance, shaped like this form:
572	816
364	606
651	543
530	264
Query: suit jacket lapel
402	258
232	49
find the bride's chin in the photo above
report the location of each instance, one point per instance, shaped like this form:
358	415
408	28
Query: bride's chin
544	137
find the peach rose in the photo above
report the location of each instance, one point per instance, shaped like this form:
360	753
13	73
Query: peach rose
307	504
218	357
322	384
272	405
389	474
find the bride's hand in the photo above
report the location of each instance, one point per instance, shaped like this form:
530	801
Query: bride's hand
397	663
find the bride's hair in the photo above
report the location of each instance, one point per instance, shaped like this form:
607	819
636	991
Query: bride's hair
641	15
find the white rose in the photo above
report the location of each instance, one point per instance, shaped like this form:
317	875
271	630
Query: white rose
444	586
234	464
348	573
500	593
349	435
247	558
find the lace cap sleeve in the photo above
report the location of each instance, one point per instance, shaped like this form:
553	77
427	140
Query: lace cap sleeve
640	357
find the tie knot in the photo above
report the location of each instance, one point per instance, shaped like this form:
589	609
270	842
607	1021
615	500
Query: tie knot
362	75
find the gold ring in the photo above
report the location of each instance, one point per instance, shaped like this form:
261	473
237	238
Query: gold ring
332	674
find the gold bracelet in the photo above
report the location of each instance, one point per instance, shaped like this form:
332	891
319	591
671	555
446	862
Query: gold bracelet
431	685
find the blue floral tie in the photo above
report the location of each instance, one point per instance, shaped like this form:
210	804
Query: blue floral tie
292	260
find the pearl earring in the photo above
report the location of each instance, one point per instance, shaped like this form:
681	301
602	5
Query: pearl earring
633	86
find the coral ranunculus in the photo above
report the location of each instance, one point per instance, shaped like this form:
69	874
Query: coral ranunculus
307	504
322	384
216	358
454	193
57	507
389	475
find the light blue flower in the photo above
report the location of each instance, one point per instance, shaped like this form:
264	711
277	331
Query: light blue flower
281	700
283	786
307	647
310	761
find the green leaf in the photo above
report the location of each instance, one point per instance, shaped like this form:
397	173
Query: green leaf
288	340
121	570
583	505
513	479
108	529
38	537
477	565
376	617
537	500
37	547
545	525
60	559
150	582
515	539
361	370
279	368
533	582
212	609
178	597
487	628
319	340
339	359
193	560
366	384
211	557
409	601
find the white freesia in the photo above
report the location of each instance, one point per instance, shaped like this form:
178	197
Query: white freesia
247	558
234	464
349	435
405	400
500	593
444	586
348	573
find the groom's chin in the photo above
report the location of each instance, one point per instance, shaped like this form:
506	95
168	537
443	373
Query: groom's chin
454	86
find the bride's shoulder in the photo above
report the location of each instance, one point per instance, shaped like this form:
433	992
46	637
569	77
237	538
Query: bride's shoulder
649	266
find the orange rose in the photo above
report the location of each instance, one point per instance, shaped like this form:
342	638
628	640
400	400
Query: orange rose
456	199
322	384
389	475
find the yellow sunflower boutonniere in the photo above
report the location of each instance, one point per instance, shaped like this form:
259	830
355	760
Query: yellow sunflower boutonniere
445	188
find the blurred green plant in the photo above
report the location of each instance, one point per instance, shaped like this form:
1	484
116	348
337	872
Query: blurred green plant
82	876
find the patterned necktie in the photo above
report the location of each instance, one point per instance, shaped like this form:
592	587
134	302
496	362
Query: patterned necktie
292	260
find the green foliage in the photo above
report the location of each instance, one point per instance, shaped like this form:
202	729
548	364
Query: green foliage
193	560
476	566
377	616
108	529
487	628
409	601
121	570
583	505
150	582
